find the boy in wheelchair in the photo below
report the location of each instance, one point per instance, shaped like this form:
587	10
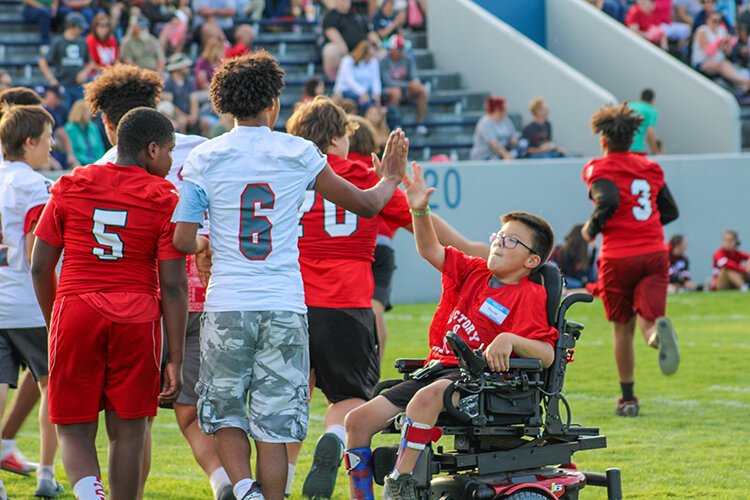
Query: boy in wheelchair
490	304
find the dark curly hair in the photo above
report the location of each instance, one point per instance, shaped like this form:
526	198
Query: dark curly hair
120	88
244	86
618	123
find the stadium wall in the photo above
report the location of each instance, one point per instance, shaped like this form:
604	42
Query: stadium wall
494	57
526	16
695	114
710	190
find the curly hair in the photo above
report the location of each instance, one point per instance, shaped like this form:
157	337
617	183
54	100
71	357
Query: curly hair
244	86
618	124
120	88
320	121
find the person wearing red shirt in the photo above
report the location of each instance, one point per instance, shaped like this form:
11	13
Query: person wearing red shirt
632	203
643	18
103	50
121	273
731	265
488	302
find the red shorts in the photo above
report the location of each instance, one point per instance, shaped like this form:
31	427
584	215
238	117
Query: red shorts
96	363
634	285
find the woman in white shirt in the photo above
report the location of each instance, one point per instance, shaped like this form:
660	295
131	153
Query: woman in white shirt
358	77
711	45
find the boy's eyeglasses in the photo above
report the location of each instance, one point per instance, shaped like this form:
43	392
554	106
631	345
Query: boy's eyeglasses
510	242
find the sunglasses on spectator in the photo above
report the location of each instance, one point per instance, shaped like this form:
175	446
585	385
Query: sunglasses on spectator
102	25
510	242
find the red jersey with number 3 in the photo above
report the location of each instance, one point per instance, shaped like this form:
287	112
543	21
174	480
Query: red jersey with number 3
337	247
635	228
113	223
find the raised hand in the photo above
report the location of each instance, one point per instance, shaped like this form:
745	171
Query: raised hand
417	192
393	163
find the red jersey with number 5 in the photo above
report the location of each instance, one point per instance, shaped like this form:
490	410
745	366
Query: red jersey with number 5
113	223
635	228
337	247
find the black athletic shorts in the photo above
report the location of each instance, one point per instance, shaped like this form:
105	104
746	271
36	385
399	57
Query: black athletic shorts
344	352
401	394
382	271
22	347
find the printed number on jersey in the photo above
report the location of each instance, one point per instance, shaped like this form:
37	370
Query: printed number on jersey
641	189
112	247
256	242
333	224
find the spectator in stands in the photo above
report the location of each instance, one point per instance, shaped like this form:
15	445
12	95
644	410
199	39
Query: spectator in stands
6	81
252	9
83	7
642	19
494	135
178	88
538	133
42	12
674	30
213	13
140	47
276	8
710	7
314	87
84	136
387	20
731	265
206	64
711	45
173	34
103	50
244	38
646	133
342	30
358	77
686	10
679	267
401	82
377	117
62	156
67	61
616	9
575	260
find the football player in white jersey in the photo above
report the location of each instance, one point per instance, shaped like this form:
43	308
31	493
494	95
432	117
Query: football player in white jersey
114	92
26	137
254	342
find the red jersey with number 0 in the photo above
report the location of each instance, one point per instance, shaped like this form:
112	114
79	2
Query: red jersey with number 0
635	228
114	224
478	312
337	247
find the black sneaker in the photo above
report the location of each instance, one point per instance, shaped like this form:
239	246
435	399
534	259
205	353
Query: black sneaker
669	352
629	408
403	488
254	493
321	479
226	493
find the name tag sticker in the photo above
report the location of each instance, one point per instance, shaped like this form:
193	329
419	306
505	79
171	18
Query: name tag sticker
494	310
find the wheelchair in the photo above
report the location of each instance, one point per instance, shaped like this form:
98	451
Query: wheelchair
507	428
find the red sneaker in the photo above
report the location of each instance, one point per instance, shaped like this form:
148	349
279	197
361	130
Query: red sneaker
628	408
15	462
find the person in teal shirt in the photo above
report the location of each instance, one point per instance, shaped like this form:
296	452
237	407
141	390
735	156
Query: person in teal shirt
646	133
84	136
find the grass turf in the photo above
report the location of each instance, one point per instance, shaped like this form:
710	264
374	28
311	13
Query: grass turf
691	440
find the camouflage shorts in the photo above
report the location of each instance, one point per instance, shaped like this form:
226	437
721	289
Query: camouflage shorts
254	374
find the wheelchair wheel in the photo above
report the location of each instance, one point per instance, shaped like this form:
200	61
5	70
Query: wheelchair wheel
526	495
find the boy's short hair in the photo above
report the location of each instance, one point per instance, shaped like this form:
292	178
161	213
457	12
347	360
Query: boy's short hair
542	233
18	123
140	127
120	88
362	140
618	123
535	104
320	121
246	85
21	96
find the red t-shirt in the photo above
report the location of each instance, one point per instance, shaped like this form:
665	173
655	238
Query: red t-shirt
102	53
730	259
478	312
337	247
383	228
644	21
114	224
635	228
663	11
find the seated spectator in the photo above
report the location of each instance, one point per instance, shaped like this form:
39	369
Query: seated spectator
401	82
206	64
538	133
674	30
244	38
83	7
731	265
494	135
642	19
6	81
342	31
178	89
710	7
387	20
679	267
210	14
140	47
377	117
711	45
358	77
40	11
575	260
314	87
62	156
251	8
103	50
173	34
646	133
67	61
84	136
686	10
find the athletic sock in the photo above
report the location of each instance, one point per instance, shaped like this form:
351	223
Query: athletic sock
45	472
219	480
242	487
339	431
89	488
8	446
289	479
627	391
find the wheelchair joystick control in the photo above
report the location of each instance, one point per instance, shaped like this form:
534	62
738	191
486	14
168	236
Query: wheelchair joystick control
469	360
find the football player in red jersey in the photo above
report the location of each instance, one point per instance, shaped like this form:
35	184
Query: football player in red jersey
121	273
632	203
731	265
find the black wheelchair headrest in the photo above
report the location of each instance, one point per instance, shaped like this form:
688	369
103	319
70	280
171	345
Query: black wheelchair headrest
550	277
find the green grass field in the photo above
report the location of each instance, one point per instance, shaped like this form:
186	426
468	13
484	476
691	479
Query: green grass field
691	440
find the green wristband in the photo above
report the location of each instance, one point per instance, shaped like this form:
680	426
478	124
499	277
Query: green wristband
419	214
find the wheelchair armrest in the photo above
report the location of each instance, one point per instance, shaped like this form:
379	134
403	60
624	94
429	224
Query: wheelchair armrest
408	365
530	364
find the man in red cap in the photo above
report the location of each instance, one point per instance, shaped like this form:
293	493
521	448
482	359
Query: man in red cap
401	82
